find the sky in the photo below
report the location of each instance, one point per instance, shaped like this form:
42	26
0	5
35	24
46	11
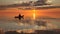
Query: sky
8	2
11	12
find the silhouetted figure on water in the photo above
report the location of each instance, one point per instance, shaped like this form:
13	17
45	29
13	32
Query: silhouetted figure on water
20	16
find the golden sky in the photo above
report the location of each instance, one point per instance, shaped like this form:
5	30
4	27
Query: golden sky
55	12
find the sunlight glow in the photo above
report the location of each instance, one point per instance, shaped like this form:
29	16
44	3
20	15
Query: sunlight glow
34	15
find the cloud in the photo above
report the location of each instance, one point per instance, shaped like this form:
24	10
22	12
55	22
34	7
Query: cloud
8	2
56	2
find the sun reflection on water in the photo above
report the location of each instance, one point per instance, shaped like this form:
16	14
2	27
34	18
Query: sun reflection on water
34	14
